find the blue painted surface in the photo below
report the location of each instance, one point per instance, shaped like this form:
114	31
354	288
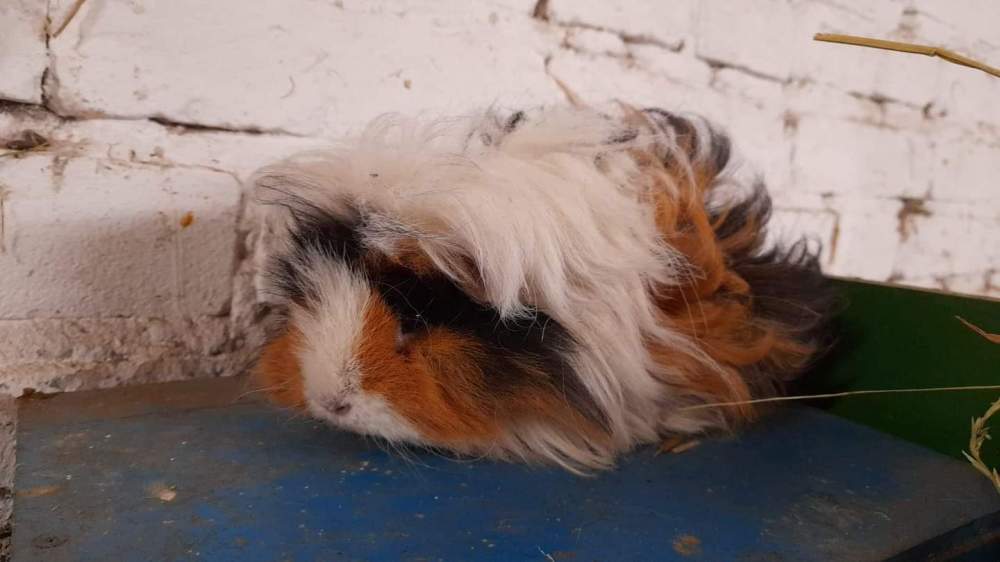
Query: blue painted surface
253	485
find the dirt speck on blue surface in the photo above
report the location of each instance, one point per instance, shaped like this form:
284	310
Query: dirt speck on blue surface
39	491
162	492
44	542
687	545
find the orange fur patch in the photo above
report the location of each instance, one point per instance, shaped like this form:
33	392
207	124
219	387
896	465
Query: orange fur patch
435	382
279	372
714	305
432	382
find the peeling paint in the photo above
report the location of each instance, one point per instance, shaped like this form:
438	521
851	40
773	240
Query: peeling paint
541	10
910	208
27	140
834	238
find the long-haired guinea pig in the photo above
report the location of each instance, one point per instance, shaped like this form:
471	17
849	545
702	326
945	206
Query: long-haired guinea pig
559	285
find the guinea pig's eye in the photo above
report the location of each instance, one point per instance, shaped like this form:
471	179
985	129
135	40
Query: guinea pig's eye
409	323
408	326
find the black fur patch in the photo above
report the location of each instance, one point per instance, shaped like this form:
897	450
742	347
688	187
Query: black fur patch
786	283
787	286
316	234
515	351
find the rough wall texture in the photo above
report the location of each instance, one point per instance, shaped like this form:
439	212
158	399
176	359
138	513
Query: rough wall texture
125	239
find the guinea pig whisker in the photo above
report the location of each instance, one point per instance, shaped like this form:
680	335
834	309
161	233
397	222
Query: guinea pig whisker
260	390
397	449
296	415
545	325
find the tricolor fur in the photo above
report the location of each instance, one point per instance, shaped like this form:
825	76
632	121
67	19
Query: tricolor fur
557	285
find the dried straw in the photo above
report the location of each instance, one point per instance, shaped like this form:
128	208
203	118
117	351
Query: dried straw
950	56
843	394
995	338
980	433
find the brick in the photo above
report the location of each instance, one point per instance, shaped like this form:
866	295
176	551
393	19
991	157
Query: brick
954	246
850	158
968	100
965	170
22	50
816	99
89	238
59	354
865	239
299	66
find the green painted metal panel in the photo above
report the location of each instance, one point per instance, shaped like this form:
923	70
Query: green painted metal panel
894	337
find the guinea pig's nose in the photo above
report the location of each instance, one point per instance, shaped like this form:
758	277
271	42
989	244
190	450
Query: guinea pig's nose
337	406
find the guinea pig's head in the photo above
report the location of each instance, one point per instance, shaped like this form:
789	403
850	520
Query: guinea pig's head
380	338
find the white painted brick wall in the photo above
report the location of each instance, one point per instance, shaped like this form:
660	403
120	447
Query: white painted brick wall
126	241
22	49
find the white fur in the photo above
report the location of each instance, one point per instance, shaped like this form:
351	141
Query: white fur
331	330
547	225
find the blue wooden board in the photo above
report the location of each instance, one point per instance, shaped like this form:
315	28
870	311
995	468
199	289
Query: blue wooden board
181	472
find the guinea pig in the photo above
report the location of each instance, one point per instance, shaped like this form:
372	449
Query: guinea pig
557	285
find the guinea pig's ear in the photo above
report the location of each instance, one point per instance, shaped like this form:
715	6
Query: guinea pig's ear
297	195
304	224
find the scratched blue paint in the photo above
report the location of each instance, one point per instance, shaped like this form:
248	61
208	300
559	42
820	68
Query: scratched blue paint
252	486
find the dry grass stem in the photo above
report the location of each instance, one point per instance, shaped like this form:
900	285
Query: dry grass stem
980	433
994	338
843	394
929	51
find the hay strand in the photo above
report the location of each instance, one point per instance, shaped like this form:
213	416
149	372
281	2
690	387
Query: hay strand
950	56
980	433
842	394
994	338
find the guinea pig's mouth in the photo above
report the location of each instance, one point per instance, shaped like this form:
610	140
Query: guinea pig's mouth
333	407
365	414
335	412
